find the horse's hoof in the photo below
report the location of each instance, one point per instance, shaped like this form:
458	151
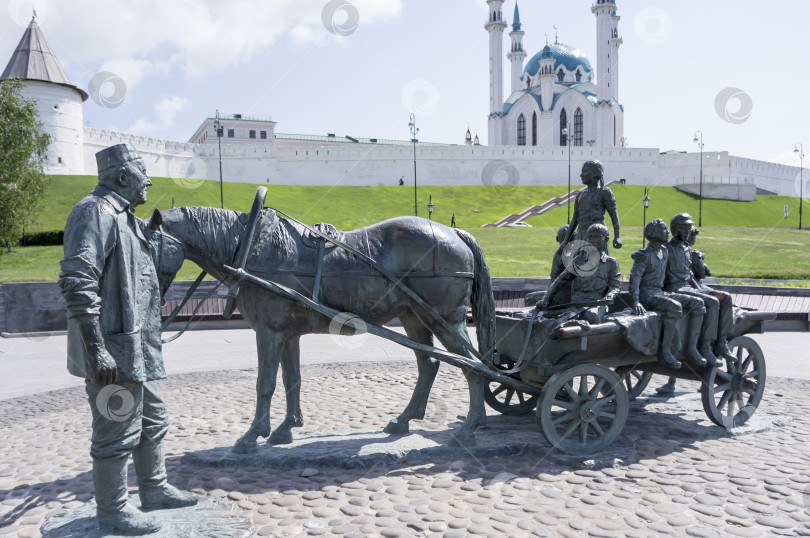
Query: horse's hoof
462	439
280	437
396	427
244	447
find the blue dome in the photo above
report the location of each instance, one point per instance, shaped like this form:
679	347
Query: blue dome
563	54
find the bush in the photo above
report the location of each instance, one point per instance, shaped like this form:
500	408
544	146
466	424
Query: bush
51	237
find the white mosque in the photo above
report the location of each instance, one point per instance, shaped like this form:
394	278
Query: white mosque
554	100
559	107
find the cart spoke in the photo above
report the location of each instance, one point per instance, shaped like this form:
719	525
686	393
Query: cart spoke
752	373
637	374
583	432
724	399
730	409
596	388
568	415
722	388
509	393
751	391
740	354
628	383
569	388
520	397
571	429
597	428
583	386
725	376
565	404
602	401
606	414
747	363
500	389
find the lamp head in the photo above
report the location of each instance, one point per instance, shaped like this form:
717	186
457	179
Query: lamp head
565	131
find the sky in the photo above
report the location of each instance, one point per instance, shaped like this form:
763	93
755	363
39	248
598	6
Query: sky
737	71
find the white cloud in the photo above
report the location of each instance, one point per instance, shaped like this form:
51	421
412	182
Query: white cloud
199	37
166	111
132	71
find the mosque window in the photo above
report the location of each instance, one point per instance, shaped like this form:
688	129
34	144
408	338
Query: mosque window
560	75
521	130
263	135
230	133
252	133
579	75
534	128
563	125
578	127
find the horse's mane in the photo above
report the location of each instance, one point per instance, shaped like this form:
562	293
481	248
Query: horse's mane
219	230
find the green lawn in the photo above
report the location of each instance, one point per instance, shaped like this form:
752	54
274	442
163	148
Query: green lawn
751	242
769	253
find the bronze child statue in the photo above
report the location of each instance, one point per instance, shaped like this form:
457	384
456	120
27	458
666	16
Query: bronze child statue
718	323
111	291
647	290
594	276
591	204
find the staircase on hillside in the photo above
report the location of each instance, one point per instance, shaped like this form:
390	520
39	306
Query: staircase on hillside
535	210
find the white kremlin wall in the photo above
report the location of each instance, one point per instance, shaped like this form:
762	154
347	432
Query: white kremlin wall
368	164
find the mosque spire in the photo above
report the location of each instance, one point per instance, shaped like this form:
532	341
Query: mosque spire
516	19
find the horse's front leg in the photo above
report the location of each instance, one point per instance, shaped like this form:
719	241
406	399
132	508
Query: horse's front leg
270	347
291	376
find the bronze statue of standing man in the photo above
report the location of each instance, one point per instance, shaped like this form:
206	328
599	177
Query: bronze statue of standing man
111	291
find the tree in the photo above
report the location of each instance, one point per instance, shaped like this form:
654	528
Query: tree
22	153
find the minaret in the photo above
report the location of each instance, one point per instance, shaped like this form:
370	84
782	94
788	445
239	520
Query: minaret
495	25
547	77
607	50
517	54
607	72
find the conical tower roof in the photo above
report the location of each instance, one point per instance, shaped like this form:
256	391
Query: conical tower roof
34	60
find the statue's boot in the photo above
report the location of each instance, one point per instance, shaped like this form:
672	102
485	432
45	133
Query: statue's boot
693	327
706	352
155	492
113	513
722	350
665	355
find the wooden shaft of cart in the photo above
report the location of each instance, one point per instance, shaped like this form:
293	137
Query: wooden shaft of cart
465	363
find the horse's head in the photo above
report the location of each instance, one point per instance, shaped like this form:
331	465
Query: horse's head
167	252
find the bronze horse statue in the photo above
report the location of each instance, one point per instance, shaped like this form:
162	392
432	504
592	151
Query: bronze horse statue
445	267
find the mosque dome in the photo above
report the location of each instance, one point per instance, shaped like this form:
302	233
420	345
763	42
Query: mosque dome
564	55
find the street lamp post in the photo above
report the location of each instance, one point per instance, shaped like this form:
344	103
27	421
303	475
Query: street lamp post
566	133
700	206
430	207
646	205
414	132
218	129
799	148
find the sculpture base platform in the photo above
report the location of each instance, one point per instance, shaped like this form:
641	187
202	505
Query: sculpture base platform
210	518
503	436
352	448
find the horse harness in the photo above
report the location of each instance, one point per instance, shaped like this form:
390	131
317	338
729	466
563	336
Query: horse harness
327	236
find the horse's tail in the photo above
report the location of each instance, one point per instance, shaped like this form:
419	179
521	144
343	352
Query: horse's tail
482	300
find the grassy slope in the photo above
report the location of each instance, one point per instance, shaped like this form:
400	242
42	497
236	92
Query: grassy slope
750	252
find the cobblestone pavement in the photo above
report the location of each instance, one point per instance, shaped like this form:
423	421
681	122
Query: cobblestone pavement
686	477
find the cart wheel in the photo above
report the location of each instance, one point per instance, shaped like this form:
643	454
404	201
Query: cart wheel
635	381
732	395
509	401
583	409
